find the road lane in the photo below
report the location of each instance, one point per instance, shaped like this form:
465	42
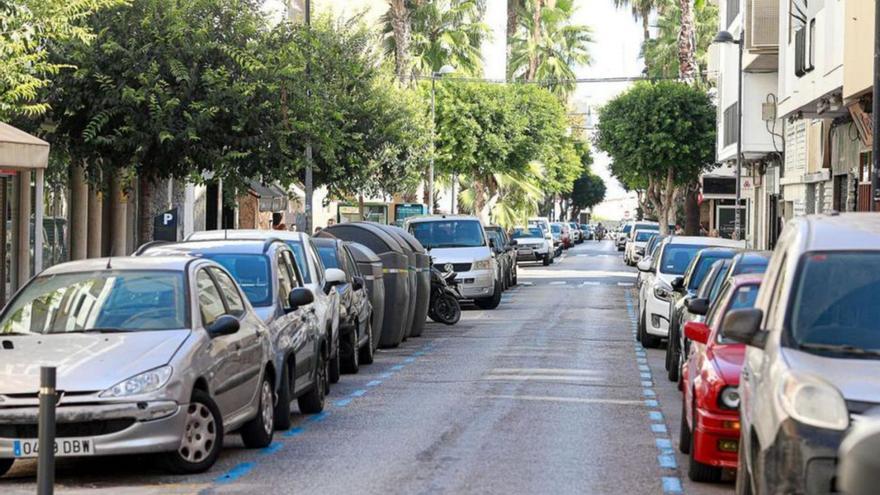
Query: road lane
545	394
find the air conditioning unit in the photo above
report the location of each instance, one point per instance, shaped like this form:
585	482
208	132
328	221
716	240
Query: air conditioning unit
762	19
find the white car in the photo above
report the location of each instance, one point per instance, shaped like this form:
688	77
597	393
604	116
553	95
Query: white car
461	241
670	261
315	278
636	245
533	245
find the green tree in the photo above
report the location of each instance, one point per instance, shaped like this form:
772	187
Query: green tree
586	192
641	11
662	53
548	46
27	29
660	135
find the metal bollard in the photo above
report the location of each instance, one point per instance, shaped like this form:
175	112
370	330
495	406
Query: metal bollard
46	459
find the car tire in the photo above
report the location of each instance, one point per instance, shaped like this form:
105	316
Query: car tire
547	260
335	372
647	340
490	302
257	433
684	432
673	363
351	362
285	395
5	465
515	276
743	484
367	350
203	420
312	402
697	471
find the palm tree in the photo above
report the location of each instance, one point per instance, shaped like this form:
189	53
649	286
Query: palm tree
548	46
398	19
641	11
508	198
662	53
441	32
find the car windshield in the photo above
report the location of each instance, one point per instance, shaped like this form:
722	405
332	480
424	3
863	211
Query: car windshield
529	232
704	264
644	235
251	271
556	228
328	256
299	254
834	306
448	233
655	228
100	301
677	257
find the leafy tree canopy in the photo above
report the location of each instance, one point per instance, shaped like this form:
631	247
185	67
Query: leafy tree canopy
661	53
588	191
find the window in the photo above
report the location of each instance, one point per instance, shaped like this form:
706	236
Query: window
529	232
352	265
731	127
328	256
449	233
719	279
252	273
210	302
316	261
294	267
230	292
772	314
704	264
302	263
285	281
677	257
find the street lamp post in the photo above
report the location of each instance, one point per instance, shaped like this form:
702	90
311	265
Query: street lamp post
726	37
446	69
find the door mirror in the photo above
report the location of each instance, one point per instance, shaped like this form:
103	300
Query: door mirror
492	242
224	325
696	331
300	297
744	326
332	278
513	242
357	283
677	283
698	306
644	265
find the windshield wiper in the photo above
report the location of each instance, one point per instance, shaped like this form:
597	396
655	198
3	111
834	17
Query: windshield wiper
97	330
840	348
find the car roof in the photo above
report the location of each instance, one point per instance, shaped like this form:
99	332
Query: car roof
844	231
225	246
704	241
172	263
253	234
751	257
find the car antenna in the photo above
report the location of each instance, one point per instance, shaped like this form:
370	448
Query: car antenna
225	234
110	258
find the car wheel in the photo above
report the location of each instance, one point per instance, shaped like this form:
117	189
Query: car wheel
282	406
673	359
490	302
5	465
351	363
648	340
640	327
684	432
697	471
743	480
547	260
312	402
367	350
335	371
257	433
202	437
515	276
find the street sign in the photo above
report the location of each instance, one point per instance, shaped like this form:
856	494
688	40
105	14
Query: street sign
165	226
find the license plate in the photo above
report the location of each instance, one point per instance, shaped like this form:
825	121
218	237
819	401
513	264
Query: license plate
64	447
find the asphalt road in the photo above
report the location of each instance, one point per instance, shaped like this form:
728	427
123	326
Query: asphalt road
549	393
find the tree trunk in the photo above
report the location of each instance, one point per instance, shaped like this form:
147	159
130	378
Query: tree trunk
692	210
646	27
512	20
145	210
400	23
536	39
687	63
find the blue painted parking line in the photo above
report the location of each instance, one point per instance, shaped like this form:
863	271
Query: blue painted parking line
645	374
294	432
374	383
663	443
235	473
647	383
658	428
671	484
652	403
321	416
358	393
342	402
397	367
667	461
386	375
644	367
409	360
648	393
655	416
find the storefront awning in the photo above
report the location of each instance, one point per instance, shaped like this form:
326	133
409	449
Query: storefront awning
19	149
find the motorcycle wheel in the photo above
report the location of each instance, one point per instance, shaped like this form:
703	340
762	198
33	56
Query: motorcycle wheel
447	309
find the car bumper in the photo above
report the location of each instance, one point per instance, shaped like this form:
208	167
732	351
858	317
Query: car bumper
151	426
656	315
716	438
802	459
531	254
476	284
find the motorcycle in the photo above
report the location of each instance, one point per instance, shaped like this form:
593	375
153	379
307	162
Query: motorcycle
444	306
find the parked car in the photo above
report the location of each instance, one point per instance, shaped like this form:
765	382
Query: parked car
505	250
562	233
651	248
576	235
629	247
531	245
355	310
636	245
160	355
684	289
588	232
315	278
811	362
622	235
709	430
461	241
270	280
675	254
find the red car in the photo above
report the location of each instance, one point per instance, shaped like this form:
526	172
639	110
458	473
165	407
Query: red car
710	405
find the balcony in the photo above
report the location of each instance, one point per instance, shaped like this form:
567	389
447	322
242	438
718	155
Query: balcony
762	36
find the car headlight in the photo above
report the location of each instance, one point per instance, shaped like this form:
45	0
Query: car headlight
729	398
812	401
485	264
662	293
146	382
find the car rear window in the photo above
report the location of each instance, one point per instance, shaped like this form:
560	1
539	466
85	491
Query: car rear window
251	271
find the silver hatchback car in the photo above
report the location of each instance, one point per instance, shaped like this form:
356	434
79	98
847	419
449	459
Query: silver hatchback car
154	355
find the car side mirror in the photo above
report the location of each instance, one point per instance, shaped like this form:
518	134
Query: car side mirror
698	306
514	242
492	243
644	265
696	331
300	297
357	283
224	325
677	283
332	278
744	326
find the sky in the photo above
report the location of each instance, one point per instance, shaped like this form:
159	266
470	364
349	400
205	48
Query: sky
615	52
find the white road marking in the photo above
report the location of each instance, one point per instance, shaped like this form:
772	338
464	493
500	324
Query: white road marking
625	284
575	400
558	282
589	283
